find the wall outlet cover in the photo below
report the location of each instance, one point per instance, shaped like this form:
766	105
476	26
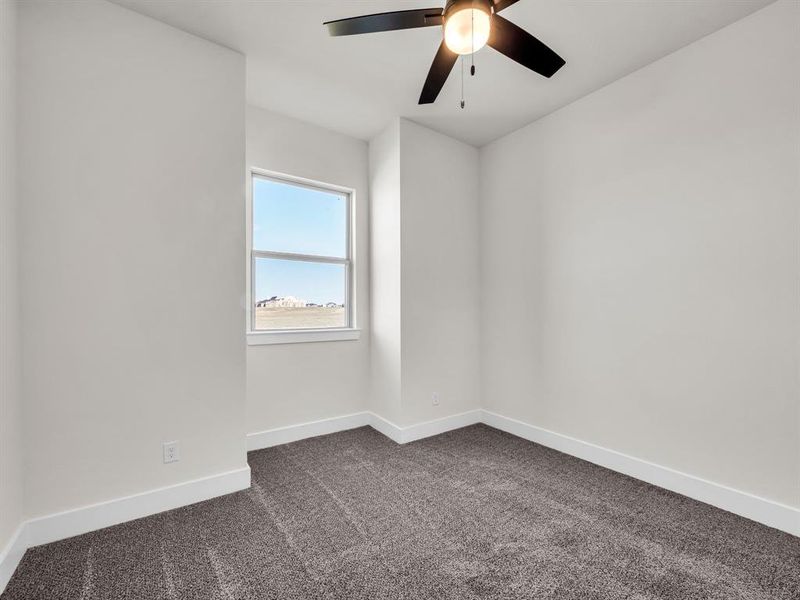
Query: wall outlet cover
172	452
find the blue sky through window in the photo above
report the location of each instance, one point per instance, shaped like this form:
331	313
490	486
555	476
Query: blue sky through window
319	283
290	218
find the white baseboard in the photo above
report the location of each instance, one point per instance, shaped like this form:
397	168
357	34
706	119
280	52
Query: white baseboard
50	528
437	426
11	555
293	433
401	435
768	512
386	427
58	526
66	524
774	514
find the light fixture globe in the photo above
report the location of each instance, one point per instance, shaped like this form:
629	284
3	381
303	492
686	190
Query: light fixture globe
467	24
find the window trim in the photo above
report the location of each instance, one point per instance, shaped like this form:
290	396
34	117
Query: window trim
257	337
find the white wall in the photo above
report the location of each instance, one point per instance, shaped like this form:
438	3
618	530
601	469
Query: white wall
424	188
289	384
10	408
131	154
385	273
640	262
440	269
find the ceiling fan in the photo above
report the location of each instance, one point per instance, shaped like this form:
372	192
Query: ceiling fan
468	26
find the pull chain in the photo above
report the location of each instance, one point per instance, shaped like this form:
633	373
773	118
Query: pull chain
472	68
462	82
472	58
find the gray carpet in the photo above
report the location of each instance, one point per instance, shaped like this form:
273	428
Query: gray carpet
473	513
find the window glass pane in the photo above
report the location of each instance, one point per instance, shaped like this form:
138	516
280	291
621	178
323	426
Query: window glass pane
291	218
292	294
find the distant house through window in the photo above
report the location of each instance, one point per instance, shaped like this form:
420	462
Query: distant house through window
300	256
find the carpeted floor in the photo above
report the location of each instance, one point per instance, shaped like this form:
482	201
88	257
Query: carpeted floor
473	513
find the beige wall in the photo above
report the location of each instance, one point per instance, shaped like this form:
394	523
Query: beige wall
131	154
10	405
289	384
640	262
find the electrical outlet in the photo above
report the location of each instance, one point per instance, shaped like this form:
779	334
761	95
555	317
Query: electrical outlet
435	398
172	452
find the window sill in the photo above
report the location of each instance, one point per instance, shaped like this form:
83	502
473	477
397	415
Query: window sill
298	336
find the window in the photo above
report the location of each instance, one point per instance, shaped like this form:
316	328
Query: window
301	270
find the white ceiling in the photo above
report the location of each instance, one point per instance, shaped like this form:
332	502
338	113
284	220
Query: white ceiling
356	84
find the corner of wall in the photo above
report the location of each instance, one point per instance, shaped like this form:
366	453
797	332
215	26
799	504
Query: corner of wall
11	457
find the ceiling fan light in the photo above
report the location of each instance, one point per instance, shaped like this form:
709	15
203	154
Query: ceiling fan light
467	30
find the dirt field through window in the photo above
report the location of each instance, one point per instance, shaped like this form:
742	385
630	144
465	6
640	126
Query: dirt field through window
309	317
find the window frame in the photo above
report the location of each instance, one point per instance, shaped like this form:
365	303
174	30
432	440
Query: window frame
282	336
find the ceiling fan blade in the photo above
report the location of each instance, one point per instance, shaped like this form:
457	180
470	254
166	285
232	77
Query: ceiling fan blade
390	21
503	4
519	45
443	63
